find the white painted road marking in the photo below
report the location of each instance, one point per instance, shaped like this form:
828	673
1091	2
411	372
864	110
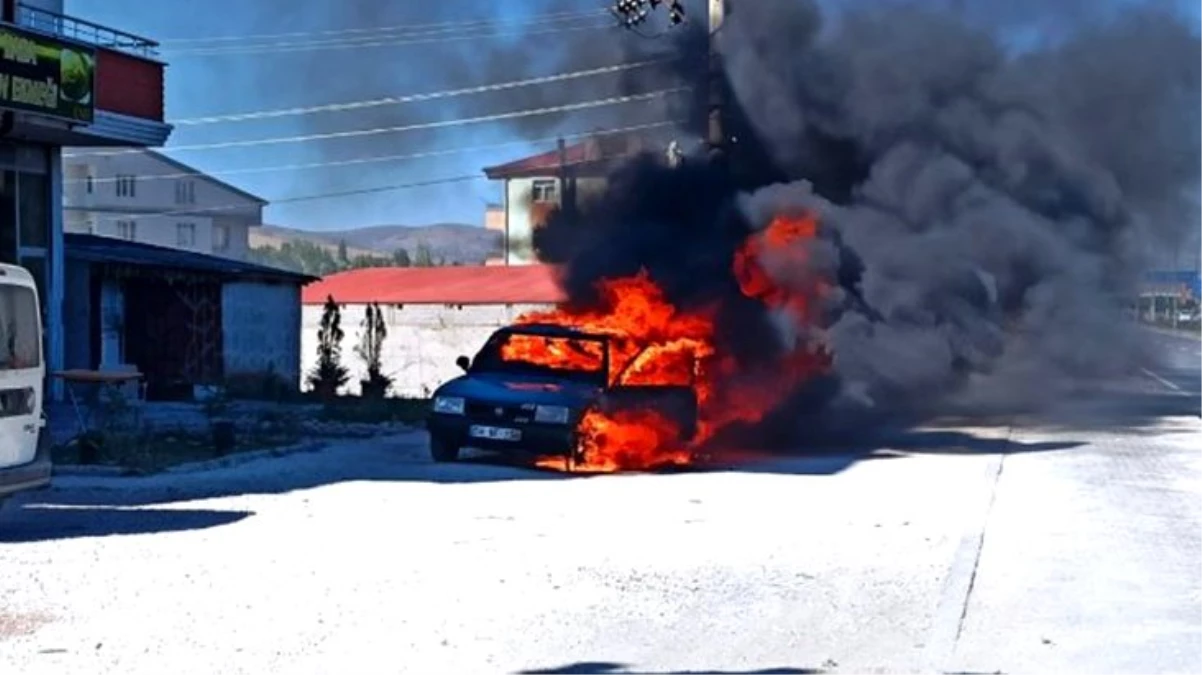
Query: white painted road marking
1161	380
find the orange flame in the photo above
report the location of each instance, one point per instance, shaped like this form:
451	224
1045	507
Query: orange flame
654	343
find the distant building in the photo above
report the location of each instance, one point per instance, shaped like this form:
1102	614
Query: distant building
494	220
534	186
146	197
433	314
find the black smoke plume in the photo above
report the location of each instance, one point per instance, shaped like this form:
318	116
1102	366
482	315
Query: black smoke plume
1000	198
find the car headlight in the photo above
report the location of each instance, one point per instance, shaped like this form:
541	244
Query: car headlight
448	405
551	414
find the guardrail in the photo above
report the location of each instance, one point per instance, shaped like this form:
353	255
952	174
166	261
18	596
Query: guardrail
85	31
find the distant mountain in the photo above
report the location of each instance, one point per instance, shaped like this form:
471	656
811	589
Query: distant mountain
452	242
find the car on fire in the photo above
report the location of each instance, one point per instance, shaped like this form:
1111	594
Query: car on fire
529	386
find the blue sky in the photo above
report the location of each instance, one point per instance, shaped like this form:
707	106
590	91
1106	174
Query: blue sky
203	85
199	85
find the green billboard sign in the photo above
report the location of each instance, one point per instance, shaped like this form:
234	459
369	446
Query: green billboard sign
43	75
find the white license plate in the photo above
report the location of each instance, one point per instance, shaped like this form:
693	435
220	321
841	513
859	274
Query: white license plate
494	433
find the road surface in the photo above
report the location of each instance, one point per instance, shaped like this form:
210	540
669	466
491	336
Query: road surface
1036	545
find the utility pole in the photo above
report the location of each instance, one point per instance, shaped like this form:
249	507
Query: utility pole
716	134
631	13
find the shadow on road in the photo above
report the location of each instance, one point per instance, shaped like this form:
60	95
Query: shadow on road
32	523
610	668
619	669
402	459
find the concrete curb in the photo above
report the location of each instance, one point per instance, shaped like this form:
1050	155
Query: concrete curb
190	467
1188	334
228	461
245	458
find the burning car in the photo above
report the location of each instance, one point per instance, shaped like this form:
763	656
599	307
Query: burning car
548	390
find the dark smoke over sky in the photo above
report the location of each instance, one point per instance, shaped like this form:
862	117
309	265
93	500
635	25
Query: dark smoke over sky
1000	194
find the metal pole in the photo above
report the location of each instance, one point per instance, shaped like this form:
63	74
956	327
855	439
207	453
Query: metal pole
716	138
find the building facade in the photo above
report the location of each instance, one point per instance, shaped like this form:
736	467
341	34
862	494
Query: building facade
433	315
187	321
535	186
144	196
63	82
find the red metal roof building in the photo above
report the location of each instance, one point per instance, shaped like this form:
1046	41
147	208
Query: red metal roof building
476	285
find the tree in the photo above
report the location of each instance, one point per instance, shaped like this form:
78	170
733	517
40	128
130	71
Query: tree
329	375
400	258
423	257
371	343
343	256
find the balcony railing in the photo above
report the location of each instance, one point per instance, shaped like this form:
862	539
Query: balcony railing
85	31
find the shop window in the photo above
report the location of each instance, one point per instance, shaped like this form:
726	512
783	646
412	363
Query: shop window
185	234
127	229
126	185
8	206
33	209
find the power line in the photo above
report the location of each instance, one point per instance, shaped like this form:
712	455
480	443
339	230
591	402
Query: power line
293	200
310	197
399	41
385	158
410	98
571	107
383	29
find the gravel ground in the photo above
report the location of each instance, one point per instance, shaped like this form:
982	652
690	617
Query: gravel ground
1074	551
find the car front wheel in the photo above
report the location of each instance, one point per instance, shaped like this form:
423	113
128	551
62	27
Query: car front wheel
442	450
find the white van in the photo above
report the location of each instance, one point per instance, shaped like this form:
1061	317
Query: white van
24	438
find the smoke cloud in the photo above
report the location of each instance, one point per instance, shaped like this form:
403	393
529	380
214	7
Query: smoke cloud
988	200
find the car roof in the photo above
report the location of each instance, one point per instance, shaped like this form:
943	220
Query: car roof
552	330
15	274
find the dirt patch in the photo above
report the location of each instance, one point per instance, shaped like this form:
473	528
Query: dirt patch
21	624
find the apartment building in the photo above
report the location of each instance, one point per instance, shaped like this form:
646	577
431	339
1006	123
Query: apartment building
145	196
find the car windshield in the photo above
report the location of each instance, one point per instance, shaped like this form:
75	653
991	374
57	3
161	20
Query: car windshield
531	353
19	340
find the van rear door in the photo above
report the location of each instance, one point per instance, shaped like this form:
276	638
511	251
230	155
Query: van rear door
22	373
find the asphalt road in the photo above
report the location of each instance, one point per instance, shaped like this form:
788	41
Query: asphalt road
1035	545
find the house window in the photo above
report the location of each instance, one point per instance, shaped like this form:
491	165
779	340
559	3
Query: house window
221	237
185	234
126	185
544	191
185	192
127	229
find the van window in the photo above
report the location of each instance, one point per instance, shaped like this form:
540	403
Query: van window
20	339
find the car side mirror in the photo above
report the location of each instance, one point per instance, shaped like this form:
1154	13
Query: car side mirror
464	363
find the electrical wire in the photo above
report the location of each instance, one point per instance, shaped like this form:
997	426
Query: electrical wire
541	18
309	197
409	98
385	158
375	131
290	200
399	41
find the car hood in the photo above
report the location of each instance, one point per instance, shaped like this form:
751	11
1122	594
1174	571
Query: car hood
507	388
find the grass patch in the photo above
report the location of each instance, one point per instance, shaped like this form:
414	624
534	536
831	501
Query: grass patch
150	451
365	411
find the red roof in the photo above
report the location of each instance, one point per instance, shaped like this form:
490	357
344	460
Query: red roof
596	152
476	285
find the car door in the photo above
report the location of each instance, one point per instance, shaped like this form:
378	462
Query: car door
661	381
21	372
